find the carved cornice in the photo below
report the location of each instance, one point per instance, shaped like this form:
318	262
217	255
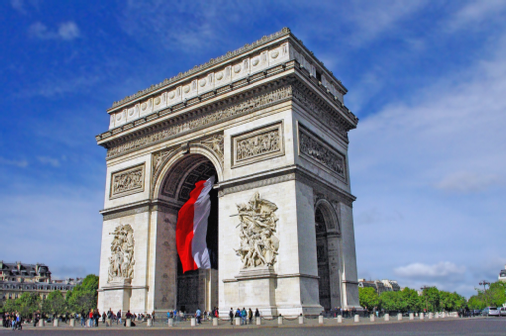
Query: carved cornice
242	104
257	182
231	54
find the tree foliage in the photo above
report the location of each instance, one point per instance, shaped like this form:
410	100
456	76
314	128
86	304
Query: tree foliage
84	297
54	303
368	297
494	296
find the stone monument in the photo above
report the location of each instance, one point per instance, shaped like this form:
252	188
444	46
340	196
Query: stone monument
269	122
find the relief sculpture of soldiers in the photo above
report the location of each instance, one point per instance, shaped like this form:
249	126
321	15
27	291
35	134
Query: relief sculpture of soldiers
259	245
228	186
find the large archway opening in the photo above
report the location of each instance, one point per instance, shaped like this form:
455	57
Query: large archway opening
322	255
199	288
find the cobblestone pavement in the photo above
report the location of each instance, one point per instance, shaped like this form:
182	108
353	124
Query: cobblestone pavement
448	326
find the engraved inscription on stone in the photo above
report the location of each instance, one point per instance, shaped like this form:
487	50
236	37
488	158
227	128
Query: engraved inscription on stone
315	149
257	145
121	262
259	246
128	181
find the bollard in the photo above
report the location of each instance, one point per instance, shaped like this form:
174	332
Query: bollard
72	322
259	320
443	315
422	316
339	319
128	322
356	318
387	317
192	322
411	316
41	322
280	320
372	318
171	322
215	321
150	323
56	322
301	319
320	319
431	316
399	317
238	321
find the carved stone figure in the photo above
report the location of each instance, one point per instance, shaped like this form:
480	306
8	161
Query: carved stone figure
259	246
127	181
121	262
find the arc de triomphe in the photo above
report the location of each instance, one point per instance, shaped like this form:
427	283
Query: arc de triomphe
269	122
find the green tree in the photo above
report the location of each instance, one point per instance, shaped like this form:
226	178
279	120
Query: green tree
54	303
11	305
392	301
28	304
476	302
430	298
84	296
412	299
368	297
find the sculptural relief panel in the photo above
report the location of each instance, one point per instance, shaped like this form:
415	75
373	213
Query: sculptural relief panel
318	151
260	144
259	244
128	181
122	262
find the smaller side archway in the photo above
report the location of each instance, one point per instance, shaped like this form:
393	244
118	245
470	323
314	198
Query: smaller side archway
328	252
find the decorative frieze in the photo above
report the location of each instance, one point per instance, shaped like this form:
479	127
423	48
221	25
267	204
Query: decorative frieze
202	120
318	151
122	262
256	145
128	181
322	111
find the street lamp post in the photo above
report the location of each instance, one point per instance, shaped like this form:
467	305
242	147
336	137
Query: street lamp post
484	283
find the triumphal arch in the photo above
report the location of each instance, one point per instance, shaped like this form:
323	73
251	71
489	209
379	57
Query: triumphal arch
269	122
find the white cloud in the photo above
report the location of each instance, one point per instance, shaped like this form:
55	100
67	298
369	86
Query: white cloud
66	31
17	163
49	161
420	270
474	13
19	6
466	182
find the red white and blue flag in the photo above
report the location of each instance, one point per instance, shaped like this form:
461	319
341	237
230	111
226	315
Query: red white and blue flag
191	228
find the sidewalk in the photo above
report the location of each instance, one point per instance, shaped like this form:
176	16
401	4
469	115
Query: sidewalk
266	323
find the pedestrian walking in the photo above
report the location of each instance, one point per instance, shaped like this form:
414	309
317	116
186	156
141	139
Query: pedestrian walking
231	315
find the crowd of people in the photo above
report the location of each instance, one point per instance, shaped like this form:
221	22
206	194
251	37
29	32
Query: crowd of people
12	320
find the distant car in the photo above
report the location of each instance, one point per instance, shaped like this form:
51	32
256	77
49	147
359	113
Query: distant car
490	311
476	312
502	311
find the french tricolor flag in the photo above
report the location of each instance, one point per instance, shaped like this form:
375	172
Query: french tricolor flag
191	228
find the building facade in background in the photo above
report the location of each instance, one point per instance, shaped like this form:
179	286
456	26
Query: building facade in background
380	285
18	278
269	122
502	274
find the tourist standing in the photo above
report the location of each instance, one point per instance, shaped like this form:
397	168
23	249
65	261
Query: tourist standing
250	315
231	315
198	314
119	317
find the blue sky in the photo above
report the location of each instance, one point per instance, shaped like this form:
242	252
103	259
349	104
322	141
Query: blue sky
426	78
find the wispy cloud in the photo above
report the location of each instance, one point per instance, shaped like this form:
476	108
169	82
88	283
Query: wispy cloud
468	182
476	12
420	270
66	31
19	6
16	163
49	161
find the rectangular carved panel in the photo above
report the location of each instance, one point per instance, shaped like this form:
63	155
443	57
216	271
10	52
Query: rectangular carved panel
256	145
313	148
127	181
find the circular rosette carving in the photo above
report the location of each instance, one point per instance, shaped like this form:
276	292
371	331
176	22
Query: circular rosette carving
274	53
255	61
237	68
186	88
172	94
259	245
219	75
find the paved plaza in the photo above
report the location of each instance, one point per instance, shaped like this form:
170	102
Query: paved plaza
476	326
